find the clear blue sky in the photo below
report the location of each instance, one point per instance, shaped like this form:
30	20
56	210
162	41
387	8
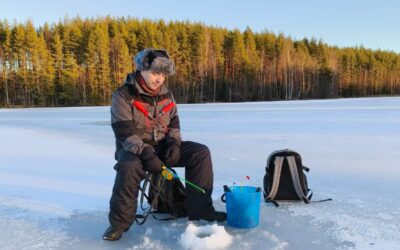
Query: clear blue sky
371	23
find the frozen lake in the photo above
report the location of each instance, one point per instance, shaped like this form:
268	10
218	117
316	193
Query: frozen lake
56	174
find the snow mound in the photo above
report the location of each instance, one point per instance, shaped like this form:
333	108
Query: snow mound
205	237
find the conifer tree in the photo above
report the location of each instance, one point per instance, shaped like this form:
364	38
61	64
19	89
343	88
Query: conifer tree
32	83
235	53
216	59
120	60
98	64
19	65
70	74
184	66
5	59
58	58
198	40
251	64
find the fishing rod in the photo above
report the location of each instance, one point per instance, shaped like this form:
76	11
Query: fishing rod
169	175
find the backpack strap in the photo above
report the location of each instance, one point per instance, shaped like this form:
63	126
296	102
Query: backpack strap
275	180
296	181
160	185
143	189
141	218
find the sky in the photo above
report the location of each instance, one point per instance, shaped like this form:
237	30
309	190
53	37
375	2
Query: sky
344	23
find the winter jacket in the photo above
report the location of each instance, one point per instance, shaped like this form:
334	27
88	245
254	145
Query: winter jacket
139	119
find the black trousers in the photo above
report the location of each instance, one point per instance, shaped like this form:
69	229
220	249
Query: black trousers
196	159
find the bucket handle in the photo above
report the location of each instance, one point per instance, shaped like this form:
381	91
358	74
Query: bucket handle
226	189
223	198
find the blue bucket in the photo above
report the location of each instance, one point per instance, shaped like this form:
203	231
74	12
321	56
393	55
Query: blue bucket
242	206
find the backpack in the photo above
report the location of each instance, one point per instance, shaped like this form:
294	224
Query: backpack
167	196
285	178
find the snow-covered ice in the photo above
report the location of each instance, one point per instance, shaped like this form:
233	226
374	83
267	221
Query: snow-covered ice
56	175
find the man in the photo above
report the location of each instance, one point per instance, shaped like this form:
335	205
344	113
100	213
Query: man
145	122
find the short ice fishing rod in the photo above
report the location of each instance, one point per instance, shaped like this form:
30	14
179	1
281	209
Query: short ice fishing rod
169	175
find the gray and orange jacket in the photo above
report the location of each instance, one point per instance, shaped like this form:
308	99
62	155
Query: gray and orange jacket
139	119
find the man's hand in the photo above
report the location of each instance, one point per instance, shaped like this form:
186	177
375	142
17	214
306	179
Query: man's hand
172	153
150	160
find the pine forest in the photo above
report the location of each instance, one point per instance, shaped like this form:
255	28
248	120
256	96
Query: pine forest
79	62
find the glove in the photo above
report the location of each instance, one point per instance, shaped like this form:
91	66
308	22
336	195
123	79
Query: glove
172	153
166	173
150	160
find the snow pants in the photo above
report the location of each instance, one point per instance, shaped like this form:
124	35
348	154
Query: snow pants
196	159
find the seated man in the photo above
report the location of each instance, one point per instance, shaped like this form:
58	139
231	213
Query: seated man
145	122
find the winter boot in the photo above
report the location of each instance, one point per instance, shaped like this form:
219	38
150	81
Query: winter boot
200	207
209	214
113	233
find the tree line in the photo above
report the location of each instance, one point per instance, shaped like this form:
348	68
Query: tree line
81	61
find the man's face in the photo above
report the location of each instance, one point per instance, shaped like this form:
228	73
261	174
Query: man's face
153	79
